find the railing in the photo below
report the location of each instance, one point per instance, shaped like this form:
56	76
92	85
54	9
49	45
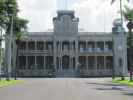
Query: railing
96	72
35	51
92	50
35	72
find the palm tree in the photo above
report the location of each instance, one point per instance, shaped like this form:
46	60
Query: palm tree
3	19
128	14
20	26
12	24
121	12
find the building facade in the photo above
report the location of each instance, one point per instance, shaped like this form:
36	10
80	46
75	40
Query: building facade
68	51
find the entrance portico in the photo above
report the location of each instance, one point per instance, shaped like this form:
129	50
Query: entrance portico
65	63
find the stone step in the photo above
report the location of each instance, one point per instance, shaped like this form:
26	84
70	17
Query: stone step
66	73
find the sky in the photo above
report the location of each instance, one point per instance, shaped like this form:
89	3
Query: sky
94	15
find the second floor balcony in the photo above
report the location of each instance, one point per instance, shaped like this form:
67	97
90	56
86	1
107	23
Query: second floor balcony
95	50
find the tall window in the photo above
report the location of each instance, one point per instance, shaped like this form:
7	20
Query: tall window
49	46
100	62
100	46
109	45
82	62
49	62
40	45
31	62
22	45
82	46
91	62
66	46
22	62
31	45
91	46
40	62
109	62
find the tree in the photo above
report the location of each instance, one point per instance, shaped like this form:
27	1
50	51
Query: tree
121	12
20	26
11	23
128	14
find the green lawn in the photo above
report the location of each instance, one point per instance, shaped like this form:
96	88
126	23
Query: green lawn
4	83
124	82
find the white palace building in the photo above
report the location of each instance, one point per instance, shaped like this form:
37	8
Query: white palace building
68	52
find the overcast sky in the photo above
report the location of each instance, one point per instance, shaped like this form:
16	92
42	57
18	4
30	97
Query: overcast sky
95	15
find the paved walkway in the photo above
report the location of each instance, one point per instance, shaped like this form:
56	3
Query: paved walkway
66	89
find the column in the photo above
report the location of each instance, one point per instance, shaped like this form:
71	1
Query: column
61	63
35	62
104	46
95	56
72	63
26	45
86	45
35	45
55	53
104	62
44	63
44	45
26	67
95	46
76	58
95	62
61	46
70	47
87	61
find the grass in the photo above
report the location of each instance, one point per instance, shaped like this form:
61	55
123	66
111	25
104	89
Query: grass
4	83
124	82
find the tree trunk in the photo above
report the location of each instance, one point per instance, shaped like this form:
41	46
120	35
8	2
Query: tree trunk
8	57
16	63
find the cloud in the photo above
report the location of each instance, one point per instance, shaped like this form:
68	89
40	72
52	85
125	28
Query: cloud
95	16
38	12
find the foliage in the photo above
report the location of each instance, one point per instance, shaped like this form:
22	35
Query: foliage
4	83
124	82
128	13
8	10
1	55
20	25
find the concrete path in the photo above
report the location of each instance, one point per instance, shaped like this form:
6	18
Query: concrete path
67	89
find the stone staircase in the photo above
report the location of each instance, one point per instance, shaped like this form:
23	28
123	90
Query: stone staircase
67	73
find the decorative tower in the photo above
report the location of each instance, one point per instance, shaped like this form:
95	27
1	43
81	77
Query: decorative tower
120	48
65	23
